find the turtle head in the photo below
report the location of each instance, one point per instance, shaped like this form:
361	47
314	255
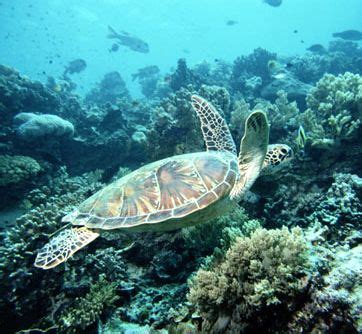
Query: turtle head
277	154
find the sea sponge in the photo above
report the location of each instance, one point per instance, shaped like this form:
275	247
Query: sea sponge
259	277
31	126
17	169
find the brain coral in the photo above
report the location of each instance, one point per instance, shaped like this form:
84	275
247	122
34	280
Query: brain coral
16	169
32	126
259	279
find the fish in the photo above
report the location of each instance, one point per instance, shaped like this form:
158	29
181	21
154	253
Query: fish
301	138
75	66
273	3
126	39
114	47
231	22
145	72
317	48
276	70
349	35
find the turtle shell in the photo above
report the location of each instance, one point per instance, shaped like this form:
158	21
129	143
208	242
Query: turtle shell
170	188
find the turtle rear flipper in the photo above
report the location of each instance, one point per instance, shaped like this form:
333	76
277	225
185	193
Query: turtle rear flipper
63	246
253	148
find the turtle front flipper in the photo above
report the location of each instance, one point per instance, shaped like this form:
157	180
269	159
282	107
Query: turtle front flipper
63	246
253	148
216	133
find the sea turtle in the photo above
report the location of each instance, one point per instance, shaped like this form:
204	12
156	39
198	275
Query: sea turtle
175	192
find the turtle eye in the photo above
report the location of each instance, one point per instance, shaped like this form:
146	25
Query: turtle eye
284	151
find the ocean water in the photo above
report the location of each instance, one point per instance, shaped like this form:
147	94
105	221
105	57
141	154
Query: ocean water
180	166
36	32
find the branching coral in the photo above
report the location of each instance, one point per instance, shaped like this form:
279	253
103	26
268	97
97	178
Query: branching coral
336	102
87	310
260	276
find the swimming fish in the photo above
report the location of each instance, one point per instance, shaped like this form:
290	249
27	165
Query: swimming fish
145	72
273	3
75	66
231	22
350	35
126	39
114	47
276	70
317	48
301	138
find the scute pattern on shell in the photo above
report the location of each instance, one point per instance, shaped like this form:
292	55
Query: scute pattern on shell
170	188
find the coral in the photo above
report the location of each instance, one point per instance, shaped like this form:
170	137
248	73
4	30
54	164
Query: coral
24	287
175	128
152	305
218	96
86	310
336	103
19	94
183	76
111	88
31	126
260	276
253	65
294	88
283	116
333	301
17	169
218	233
340	206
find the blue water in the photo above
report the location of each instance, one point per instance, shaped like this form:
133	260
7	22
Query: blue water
34	32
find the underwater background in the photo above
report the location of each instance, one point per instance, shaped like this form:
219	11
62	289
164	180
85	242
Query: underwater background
92	90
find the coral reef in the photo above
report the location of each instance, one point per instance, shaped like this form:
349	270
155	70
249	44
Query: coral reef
295	89
88	309
253	65
17	169
245	279
24	288
334	110
31	126
111	87
260	275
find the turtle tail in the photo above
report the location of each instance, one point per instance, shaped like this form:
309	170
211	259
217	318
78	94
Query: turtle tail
63	246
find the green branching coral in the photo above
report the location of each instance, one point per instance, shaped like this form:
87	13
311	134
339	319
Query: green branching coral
259	278
86	310
17	169
336	103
